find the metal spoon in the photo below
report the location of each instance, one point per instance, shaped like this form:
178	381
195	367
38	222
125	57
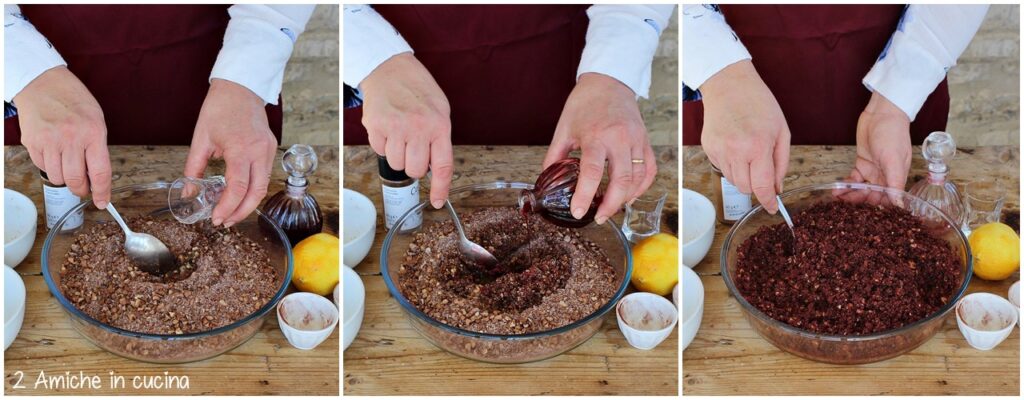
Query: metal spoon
477	253
785	216
148	252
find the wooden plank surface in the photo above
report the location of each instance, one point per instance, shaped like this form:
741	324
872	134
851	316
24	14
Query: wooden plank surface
389	357
264	365
728	357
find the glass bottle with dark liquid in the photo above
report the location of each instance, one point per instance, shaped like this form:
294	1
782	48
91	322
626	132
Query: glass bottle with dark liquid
551	195
293	208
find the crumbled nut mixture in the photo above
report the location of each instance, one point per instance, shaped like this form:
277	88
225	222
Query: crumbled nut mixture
855	269
223	277
548	277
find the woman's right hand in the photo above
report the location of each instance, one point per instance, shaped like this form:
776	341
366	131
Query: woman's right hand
745	133
408	119
63	129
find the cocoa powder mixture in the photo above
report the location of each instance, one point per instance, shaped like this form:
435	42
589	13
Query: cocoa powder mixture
856	269
223	277
549	276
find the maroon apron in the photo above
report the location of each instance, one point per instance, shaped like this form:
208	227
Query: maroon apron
505	69
813	59
147	65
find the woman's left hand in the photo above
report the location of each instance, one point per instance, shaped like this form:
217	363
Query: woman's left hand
883	145
233	125
602	119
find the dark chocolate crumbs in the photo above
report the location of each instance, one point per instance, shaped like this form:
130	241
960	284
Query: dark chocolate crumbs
859	269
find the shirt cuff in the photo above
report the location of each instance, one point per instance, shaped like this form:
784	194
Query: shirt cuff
709	45
369	41
906	78
257	44
27	53
621	42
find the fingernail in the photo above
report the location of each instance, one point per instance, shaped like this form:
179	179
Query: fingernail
217	221
437	204
228	224
102	205
600	219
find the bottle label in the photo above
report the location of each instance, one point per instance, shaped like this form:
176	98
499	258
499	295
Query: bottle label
398	200
57	201
734	203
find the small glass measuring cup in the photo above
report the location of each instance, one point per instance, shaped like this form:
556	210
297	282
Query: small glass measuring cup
643	217
983	200
192	199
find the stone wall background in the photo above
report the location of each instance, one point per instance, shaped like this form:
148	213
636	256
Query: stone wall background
311	88
661	109
984	87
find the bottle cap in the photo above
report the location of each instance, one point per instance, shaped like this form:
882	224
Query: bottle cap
299	162
389	173
938	149
42	174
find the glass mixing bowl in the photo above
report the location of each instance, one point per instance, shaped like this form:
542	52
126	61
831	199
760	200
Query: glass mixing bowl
151	199
501	348
839	349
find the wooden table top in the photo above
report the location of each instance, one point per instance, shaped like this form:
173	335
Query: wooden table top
265	365
389	358
728	357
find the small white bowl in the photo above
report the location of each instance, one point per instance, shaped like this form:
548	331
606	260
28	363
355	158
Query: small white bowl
14	305
354	304
698	227
306	319
693	306
20	216
1014	296
359	227
645	319
985	319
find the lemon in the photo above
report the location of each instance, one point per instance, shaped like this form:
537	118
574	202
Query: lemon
996	249
656	264
316	264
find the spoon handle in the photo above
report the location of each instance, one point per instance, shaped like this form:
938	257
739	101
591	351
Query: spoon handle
117	217
455	218
785	214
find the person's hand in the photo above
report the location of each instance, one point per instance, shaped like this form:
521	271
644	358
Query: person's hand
233	125
63	129
602	119
883	145
407	117
745	133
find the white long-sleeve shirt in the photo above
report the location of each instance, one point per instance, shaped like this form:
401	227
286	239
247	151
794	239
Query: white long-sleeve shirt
621	42
925	45
257	45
